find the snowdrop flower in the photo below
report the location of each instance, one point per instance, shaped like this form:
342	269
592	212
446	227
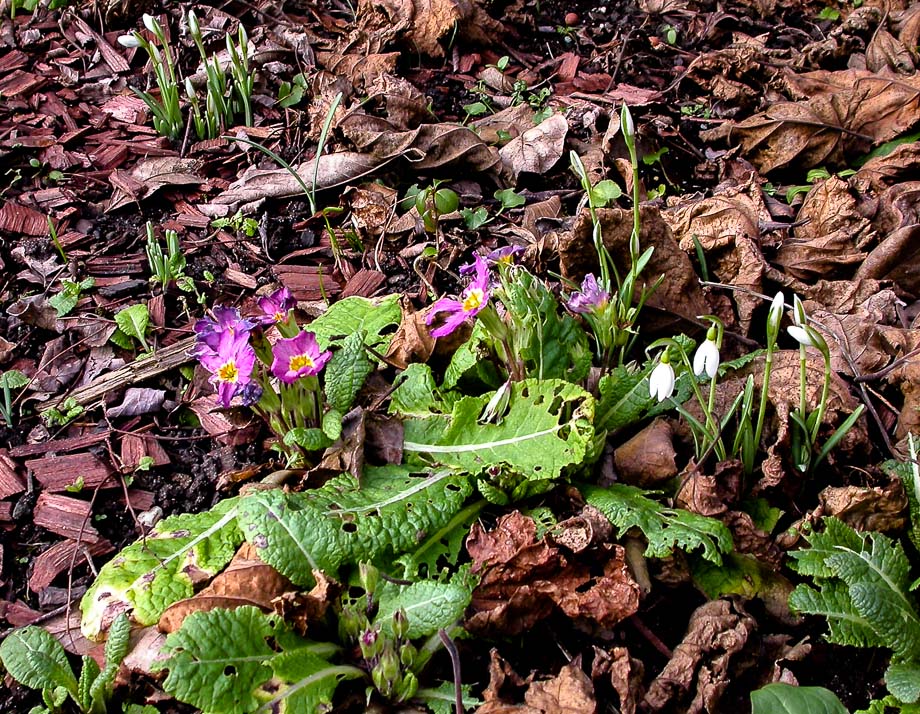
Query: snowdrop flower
626	122
707	357
129	41
807	337
775	316
799	316
661	382
151	24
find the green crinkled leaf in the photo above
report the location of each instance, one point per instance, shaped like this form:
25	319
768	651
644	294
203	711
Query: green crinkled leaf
444	544
217	659
355	314
36	660
415	393
845	625
546	429
782	698
813	561
909	473
441	699
304	683
346	372
152	573
13	379
428	605
389	513
309	438
887	705
89	672
903	681
665	528
469	362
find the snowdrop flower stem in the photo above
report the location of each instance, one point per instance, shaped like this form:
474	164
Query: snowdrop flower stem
774	318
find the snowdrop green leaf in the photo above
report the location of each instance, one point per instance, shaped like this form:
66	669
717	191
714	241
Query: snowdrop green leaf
665	528
547	428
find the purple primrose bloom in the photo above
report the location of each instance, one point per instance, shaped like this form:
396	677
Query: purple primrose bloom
230	364
298	357
275	307
471	301
226	319
499	256
592	298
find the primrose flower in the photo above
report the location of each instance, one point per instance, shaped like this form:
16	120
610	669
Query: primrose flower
471	302
298	357
275	307
500	256
707	358
226	319
592	298
661	382
230	364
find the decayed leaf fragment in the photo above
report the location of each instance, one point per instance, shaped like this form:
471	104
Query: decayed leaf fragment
523	580
569	692
716	633
537	149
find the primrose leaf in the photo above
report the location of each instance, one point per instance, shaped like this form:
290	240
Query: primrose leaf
346	372
903	681
152	573
909	473
354	314
133	321
665	528
442	700
416	392
307	682
217	659
782	698
428	605
813	561
388	513
36	660
623	398
546	429
845	625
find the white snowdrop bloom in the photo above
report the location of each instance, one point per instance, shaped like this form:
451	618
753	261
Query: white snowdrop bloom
661	383
706	359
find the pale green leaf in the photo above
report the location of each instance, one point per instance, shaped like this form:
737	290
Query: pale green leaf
152	573
133	321
546	429
416	393
36	660
428	605
353	314
217	659
303	683
120	339
13	379
665	528
782	698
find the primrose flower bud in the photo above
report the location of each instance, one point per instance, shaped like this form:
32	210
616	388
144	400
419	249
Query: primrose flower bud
400	624
369	576
408	688
371	644
661	382
707	358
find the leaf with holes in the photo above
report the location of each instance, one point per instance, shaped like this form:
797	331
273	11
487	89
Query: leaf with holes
378	318
547	428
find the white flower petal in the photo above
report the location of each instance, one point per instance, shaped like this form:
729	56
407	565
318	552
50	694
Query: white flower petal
800	335
706	359
661	382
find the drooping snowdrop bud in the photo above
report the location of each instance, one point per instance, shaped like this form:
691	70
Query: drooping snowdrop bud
626	123
661	382
129	41
150	22
707	357
775	316
193	27
808	337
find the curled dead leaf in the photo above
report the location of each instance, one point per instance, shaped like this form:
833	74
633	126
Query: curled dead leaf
868	508
537	149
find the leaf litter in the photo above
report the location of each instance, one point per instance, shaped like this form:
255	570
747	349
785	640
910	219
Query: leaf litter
737	105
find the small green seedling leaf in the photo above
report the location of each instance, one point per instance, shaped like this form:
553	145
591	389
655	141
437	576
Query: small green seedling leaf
133	321
13	379
509	199
605	192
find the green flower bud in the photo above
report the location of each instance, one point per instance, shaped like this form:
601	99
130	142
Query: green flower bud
400	624
407	689
369	576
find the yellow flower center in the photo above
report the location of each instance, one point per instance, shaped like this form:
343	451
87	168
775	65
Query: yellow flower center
474	299
298	362
280	317
228	372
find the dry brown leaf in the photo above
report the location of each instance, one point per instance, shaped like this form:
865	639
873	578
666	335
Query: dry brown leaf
868	508
150	175
537	149
832	233
886	52
841	113
897	257
717	632
413	341
647	459
569	692
247	580
882	171
523	580
625	675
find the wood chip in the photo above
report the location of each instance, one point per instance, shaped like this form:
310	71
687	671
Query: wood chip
134	447
364	283
20	82
65	516
59	445
60	557
11	483
21	219
306	282
56	473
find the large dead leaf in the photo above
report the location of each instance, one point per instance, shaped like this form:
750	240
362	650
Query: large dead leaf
700	668
868	508
149	176
897	257
569	692
648	459
833	230
522	580
537	149
625	675
840	114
